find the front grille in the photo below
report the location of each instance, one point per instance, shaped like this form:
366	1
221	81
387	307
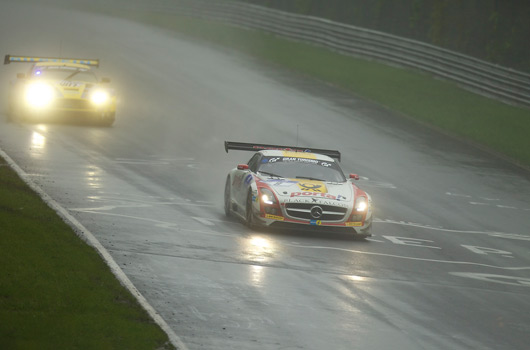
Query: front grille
71	103
303	211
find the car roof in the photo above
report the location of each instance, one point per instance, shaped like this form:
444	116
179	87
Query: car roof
61	64
306	155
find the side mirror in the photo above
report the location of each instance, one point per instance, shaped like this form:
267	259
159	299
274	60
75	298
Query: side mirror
242	167
105	80
354	176
21	76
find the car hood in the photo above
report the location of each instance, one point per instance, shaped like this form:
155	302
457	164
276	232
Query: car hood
310	191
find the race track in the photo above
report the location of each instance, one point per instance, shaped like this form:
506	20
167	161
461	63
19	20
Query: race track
448	267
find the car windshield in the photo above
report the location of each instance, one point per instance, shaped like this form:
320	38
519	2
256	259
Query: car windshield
301	168
65	74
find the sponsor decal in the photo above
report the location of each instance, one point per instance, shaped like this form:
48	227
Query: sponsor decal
248	179
318	195
301	160
314	200
274	217
313	186
354	224
315	222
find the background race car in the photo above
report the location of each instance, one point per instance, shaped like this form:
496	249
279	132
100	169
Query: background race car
292	186
55	87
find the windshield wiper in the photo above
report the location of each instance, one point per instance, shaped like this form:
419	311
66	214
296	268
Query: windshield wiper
270	174
309	178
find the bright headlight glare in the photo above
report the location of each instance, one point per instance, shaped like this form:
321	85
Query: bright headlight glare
39	95
361	204
99	97
267	197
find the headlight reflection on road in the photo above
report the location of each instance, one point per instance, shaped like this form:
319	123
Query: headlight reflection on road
38	141
256	275
93	177
356	278
259	250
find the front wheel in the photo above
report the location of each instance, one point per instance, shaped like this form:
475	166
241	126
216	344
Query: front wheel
365	233
107	119
249	213
227	201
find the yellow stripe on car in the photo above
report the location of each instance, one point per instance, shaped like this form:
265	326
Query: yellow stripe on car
305	155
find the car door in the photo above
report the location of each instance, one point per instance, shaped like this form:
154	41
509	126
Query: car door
243	180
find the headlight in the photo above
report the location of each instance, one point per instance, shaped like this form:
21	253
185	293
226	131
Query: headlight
99	97
39	95
267	197
361	204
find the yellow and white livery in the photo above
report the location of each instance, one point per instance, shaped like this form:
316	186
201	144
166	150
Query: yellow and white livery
55	87
284	186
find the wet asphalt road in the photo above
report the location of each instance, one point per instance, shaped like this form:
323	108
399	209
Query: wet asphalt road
448	267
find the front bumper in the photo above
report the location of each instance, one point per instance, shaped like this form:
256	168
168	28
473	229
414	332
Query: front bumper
279	221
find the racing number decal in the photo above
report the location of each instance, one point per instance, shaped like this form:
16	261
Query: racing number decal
312	187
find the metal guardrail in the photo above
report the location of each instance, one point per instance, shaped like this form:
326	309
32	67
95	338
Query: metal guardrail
482	77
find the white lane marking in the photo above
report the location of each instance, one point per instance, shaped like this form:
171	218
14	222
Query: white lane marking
374	240
415	242
510	280
475	202
485	250
140	161
88	237
505	206
170	225
510	236
112	207
411	258
457	195
203	221
495	234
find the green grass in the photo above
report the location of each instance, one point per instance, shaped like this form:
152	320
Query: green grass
498	127
55	290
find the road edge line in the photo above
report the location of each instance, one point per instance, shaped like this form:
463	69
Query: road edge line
90	239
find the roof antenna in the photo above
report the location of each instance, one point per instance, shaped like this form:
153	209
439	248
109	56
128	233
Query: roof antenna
297	125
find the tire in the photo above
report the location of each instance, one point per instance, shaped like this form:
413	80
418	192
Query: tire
250	220
14	114
367	232
107	120
227	200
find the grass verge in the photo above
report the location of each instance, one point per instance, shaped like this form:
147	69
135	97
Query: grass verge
498	127
55	290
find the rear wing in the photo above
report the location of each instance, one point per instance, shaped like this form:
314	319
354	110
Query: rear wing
240	146
29	59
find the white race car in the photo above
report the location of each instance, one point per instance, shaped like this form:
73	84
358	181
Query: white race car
285	186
